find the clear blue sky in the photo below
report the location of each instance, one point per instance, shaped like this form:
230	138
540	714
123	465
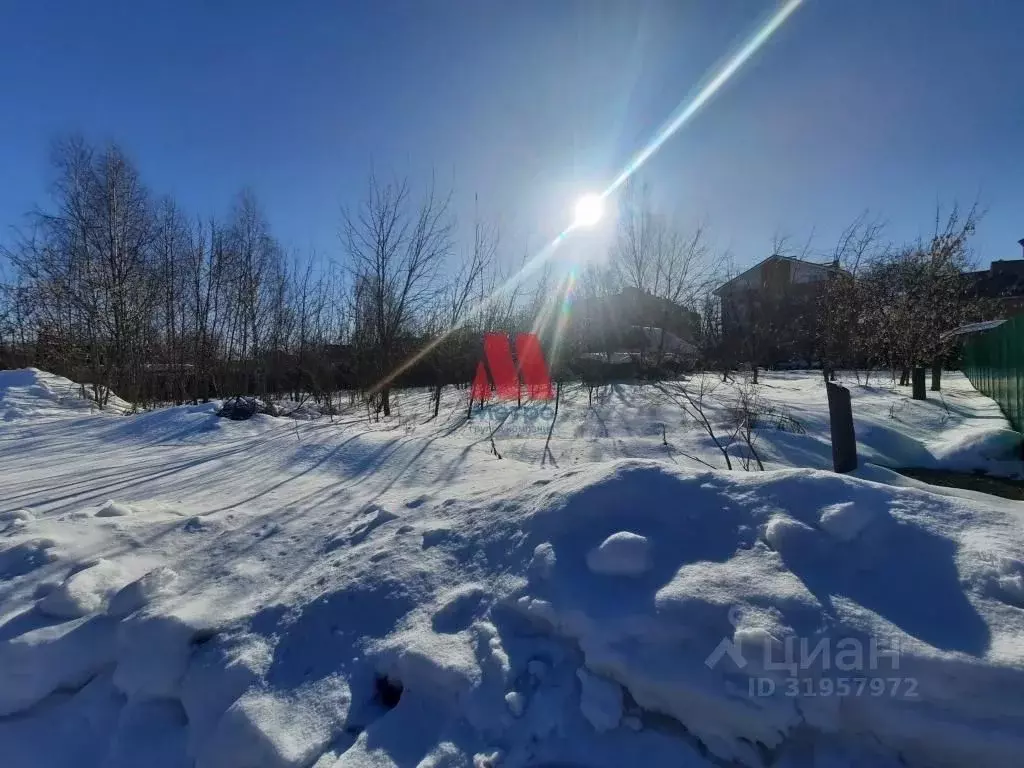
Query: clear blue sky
884	104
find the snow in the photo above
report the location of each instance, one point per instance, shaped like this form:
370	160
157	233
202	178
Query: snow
153	654
600	700
263	729
141	592
33	394
542	565
847	519
784	534
621	554
609	601
150	733
26	555
217	675
84	592
15	518
43	660
113	509
516	703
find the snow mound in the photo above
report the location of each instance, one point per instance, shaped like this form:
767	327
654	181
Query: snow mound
616	613
114	509
267	730
63	656
15	518
621	554
498	647
784	534
142	591
30	393
516	703
542	565
966	447
84	592
1006	581
153	654
25	556
600	700
847	519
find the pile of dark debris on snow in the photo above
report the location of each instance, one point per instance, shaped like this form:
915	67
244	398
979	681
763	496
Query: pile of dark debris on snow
242	408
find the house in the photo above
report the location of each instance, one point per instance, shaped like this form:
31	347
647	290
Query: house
634	323
1003	283
618	312
769	312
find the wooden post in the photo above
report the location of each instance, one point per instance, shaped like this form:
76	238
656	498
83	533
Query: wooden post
937	377
840	415
917	384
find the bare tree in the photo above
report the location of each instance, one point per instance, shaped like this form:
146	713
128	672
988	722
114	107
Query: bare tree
457	303
840	305
87	265
255	269
395	251
911	296
668	269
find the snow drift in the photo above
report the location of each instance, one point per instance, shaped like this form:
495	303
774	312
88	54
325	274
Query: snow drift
182	590
32	393
572	620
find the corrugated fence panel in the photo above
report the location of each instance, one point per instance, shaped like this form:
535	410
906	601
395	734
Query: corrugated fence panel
994	362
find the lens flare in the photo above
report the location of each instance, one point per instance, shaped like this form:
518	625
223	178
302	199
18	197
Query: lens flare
589	210
590	207
689	109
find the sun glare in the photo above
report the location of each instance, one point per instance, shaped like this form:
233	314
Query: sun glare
589	210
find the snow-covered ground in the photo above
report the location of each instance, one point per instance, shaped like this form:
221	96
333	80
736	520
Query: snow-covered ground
178	589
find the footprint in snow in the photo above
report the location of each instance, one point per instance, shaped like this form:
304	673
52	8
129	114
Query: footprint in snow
372	518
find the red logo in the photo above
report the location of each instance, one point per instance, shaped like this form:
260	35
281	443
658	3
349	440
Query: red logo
505	372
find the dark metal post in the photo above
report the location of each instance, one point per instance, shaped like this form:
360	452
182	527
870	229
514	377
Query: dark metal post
840	415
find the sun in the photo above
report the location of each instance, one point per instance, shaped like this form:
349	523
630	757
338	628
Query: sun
588	211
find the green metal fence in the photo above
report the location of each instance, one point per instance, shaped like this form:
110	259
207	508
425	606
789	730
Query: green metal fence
993	360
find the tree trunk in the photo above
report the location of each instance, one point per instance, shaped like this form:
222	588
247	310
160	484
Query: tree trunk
904	377
385	399
918	392
937	377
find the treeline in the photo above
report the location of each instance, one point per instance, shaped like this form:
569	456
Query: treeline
121	288
116	286
893	306
881	305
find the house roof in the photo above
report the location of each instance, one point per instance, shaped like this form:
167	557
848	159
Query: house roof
1002	279
963	330
825	266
